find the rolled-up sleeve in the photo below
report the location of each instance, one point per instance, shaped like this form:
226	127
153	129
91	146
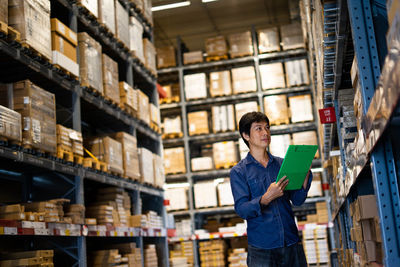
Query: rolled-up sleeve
299	196
245	207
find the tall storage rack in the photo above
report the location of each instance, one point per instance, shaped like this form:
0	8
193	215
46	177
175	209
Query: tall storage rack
32	177
358	30
173	74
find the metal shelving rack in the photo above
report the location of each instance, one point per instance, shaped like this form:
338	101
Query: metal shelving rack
186	141
61	179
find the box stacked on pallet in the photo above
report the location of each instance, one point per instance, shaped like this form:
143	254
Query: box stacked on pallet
243	148
237	257
109	151
135	36
322	212
27	258
155	117
10	122
172	92
202	189
347	119
159	173
178	199
279	144
130	252
174	160
183	228
166	57
195	86
149	52
240	44
15	212
216	47
153	220
276	108
315	243
175	261
110	79
198	123
107	14
225	197
52	210
128	98
138	220
243	108
143	107
150	256
244	80
268	40
104	258
182	254
301	108
272	76
202	163
297	72
292	36
76	212
69	144
172	127
90	67
122	23
91	6
212	253
220	83
130	155
223	118
192	57
64	42
225	154
146	166
32	20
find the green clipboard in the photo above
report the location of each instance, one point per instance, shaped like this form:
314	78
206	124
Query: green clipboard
296	164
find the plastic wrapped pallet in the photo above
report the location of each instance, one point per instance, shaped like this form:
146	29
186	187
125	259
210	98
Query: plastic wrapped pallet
276	108
159	175
122	23
135	37
148	14
155	114
292	36
146	166
225	197
130	157
296	72
90	70
195	86
38	115
174	160
177	197
143	107
268	40
301	108
4	11
70	140
201	164
243	108
198	122
32	19
64	42
240	44
272	76
223	118
224	154
279	144
108	150
172	125
306	138
205	194
91	6
166	57
192	57
172	92
128	97
107	14
149	52
244	80
110	79
10	124
220	83
216	47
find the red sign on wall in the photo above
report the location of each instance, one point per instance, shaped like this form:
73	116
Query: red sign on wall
327	115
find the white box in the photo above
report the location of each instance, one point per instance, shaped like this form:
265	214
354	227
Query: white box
177	197
297	72
195	86
301	108
135	37
65	62
279	145
272	76
146	165
225	197
91	5
205	194
122	23
243	108
202	164
106	10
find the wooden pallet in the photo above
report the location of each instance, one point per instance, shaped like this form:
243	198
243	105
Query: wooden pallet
169	100
64	71
86	11
90	89
280	121
28	49
155	127
193	62
11	33
226	165
64	154
241	55
5	141
110	101
136	58
105	30
175	173
129	110
78	159
216	58
96	165
172	135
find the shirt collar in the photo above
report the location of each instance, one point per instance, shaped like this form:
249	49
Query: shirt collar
250	159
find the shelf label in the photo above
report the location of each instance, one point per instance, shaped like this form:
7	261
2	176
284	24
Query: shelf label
211	236
327	115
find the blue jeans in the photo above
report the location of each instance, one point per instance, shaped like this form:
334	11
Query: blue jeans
292	256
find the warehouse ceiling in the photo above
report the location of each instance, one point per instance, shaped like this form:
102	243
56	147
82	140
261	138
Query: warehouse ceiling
198	21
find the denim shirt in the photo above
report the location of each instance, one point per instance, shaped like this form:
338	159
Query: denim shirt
273	225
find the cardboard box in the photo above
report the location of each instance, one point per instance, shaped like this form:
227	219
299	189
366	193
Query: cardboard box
202	164
292	36
224	153
240	44
301	108
91	5
130	157
106	10
243	108
220	83
90	67
135	37
155	114
110	79
203	189
279	144
70	140
148	14
225	197
149	52
297	72
276	108
393	8
10	124
173	91
216	47
192	57
32	19
306	138
195	86
370	251
122	23
244	80
159	175
143	107
4	11
223	118
268	40
366	207
174	160
166	57
38	115
128	97
177	197
272	76
108	150
146	166
172	125
198	122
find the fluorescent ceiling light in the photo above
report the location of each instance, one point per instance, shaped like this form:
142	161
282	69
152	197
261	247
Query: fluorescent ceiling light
208	1
169	6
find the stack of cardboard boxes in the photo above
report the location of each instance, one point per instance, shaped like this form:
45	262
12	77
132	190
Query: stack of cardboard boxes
178	199
220	83
225	154
183	228
106	10
174	160
244	80
268	40
300	107
128	98
52	210
212	253
135	37
297	72
172	92
110	79
272	76
243	108
105	258
315	243
198	123
216	47
237	257
276	108
182	254
76	212
122	23
166	57
10	121
292	36
149	52
27	258
225	197
143	107
203	189
240	44
201	163
150	256
131	254
195	86
172	127
130	156
192	57
223	118
69	140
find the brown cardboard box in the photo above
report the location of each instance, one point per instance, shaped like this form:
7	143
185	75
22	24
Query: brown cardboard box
149	52
172	125
122	23
130	154
306	138
301	108
370	251
155	114
143	107
244	80
108	150
166	57
272	76
368	229
366	207
198	122
70	140
32	19
135	36
90	67
192	57
38	112
159	176
106	10
172	91
110	79
220	83
10	124
243	108
377	230
268	40
146	166
4	11
276	108
91	6
224	153
216	46
240	44
128	97
292	36
174	160
148	14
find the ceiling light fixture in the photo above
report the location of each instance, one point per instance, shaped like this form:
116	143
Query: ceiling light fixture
208	1
169	6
